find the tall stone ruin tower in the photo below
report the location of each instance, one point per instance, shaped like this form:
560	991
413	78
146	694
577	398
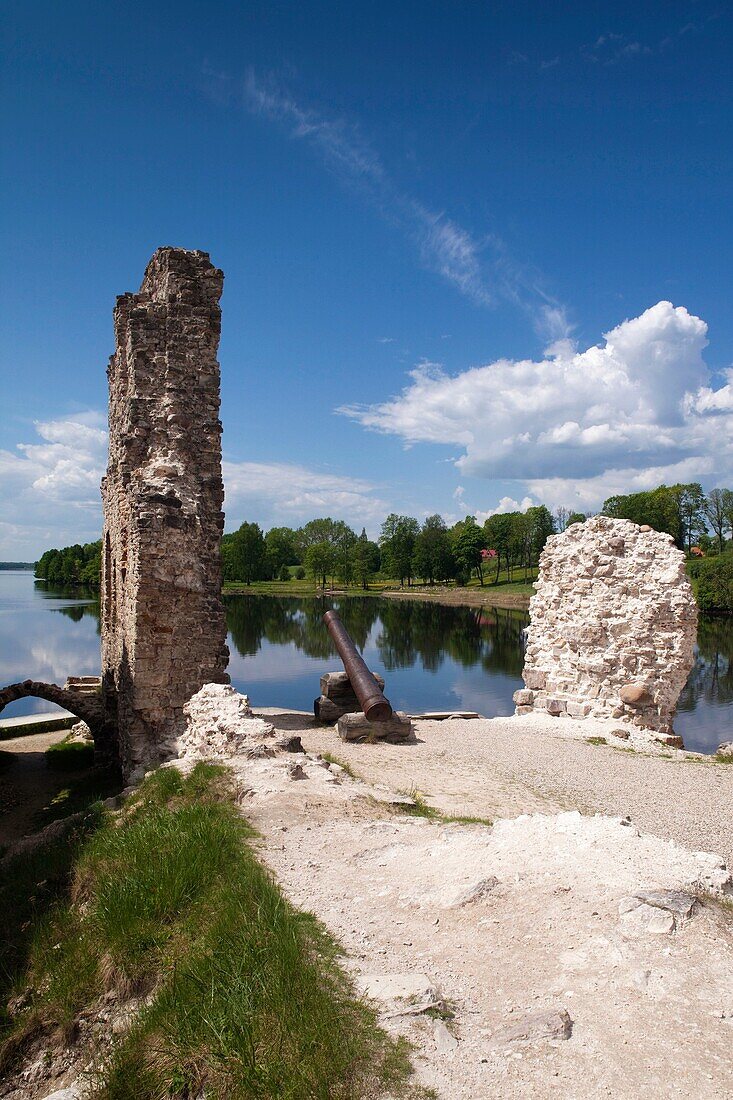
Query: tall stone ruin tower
163	622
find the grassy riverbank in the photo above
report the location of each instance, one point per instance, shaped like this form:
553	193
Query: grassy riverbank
167	909
516	594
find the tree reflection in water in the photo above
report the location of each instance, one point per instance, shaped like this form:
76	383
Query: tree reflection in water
412	631
404	633
711	678
434	657
444	658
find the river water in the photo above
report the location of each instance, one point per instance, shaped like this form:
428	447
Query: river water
432	657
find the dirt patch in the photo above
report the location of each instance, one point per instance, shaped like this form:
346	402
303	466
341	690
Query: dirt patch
28	784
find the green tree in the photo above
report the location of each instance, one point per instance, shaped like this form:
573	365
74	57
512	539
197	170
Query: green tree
715	515
432	557
397	544
576	517
334	534
541	526
691	506
72	566
247	561
728	509
715	585
562	518
468	541
280	545
520	541
671	509
498	536
364	559
319	560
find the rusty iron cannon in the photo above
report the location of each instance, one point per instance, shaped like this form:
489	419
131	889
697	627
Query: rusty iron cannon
371	698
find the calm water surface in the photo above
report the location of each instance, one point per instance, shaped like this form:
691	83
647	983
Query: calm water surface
432	657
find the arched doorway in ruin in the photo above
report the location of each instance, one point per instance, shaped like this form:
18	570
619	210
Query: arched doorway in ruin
88	707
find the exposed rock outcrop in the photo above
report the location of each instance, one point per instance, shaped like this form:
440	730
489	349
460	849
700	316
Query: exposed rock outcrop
220	724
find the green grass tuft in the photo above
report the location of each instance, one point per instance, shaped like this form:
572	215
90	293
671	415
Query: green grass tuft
80	794
716	758
32	885
69	756
466	819
422	808
419	808
596	741
341	763
245	995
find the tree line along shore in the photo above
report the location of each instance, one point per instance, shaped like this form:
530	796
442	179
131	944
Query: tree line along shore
503	552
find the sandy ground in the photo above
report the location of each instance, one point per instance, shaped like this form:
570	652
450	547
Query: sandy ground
498	924
502	767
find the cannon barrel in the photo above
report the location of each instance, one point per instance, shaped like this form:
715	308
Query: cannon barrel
376	708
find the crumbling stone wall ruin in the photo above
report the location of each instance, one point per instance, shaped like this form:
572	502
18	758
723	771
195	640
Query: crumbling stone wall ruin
163	622
613	626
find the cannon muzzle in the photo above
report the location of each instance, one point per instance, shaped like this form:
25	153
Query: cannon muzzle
376	708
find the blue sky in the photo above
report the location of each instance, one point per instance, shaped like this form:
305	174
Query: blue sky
475	253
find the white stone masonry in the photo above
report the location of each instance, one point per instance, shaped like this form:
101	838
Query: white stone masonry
613	626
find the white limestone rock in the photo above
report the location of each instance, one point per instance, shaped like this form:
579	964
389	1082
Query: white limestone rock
553	1024
403	993
80	732
220	724
613	626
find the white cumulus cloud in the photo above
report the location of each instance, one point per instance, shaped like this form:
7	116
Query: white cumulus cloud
49	489
638	407
272	493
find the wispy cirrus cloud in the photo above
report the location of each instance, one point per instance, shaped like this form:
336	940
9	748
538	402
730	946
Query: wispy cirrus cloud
478	267
614	48
611	48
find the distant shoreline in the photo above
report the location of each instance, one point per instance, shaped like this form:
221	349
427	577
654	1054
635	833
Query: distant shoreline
516	599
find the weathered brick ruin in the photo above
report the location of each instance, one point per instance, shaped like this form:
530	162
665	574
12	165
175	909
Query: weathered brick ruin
613	626
163	623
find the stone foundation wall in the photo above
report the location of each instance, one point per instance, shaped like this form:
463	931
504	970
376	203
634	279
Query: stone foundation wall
613	626
163	623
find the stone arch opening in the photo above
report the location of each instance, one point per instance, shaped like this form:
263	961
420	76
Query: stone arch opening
88	708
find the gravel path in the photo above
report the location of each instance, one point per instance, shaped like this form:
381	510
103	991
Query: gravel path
502	767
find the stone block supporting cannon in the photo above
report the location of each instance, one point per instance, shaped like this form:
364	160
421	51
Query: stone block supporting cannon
338	697
355	698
